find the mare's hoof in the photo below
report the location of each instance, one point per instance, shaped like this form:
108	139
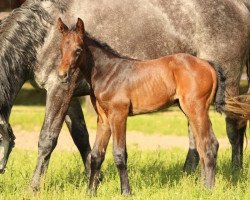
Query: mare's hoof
191	162
2	171
34	187
126	193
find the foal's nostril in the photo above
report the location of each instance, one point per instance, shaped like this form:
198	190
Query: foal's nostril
64	77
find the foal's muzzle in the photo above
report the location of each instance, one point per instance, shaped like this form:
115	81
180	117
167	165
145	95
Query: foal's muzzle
64	77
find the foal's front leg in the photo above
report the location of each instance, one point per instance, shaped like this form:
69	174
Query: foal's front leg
117	122
98	152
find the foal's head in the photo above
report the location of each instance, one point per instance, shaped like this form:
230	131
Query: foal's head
73	50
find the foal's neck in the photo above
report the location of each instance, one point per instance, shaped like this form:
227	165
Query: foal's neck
102	53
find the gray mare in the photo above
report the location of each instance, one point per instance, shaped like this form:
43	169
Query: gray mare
215	30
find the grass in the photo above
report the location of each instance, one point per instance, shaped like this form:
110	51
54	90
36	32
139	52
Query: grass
172	122
153	175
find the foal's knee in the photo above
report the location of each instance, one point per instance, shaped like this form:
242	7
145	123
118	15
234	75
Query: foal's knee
96	159
120	157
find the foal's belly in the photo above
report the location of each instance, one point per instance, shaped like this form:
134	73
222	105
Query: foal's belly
144	100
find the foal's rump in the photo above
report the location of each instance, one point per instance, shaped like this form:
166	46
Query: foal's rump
194	77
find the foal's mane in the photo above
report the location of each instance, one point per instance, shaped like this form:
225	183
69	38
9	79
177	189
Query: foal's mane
106	47
21	33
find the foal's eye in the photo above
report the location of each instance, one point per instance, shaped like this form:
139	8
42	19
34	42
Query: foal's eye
78	51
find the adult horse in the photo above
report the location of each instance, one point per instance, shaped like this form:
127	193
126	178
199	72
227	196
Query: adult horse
219	34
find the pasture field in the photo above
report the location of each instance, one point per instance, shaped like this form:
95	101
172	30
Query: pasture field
153	175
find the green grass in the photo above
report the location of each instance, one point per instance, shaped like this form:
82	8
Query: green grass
173	122
153	175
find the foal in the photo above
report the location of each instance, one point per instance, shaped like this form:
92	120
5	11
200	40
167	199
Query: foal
121	87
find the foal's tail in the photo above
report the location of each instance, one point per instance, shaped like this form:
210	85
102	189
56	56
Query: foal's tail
219	100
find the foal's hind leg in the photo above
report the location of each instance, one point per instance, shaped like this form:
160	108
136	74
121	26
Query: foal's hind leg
192	159
78	130
207	144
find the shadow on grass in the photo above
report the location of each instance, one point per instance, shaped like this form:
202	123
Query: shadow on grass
233	175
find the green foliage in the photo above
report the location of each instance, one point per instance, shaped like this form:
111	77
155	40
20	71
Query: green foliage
153	175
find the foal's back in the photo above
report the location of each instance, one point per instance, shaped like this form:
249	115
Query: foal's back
155	84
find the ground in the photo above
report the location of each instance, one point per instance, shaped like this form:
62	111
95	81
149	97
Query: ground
29	141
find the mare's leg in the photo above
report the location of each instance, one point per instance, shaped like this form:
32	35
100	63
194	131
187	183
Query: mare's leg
235	132
117	122
192	159
207	144
98	152
248	76
57	103
236	138
78	130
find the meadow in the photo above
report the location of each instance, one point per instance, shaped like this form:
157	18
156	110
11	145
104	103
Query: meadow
154	174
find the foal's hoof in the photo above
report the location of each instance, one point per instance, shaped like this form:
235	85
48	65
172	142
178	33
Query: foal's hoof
92	193
99	176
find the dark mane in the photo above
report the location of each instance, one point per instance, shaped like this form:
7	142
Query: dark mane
105	46
21	34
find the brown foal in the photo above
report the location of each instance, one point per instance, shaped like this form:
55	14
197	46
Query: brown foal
121	87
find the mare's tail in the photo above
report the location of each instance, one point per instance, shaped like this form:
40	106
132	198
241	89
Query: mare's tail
236	107
239	107
219	100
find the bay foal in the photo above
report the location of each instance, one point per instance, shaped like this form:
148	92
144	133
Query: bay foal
121	87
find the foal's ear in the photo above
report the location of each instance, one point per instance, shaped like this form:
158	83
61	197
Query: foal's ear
80	27
61	26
